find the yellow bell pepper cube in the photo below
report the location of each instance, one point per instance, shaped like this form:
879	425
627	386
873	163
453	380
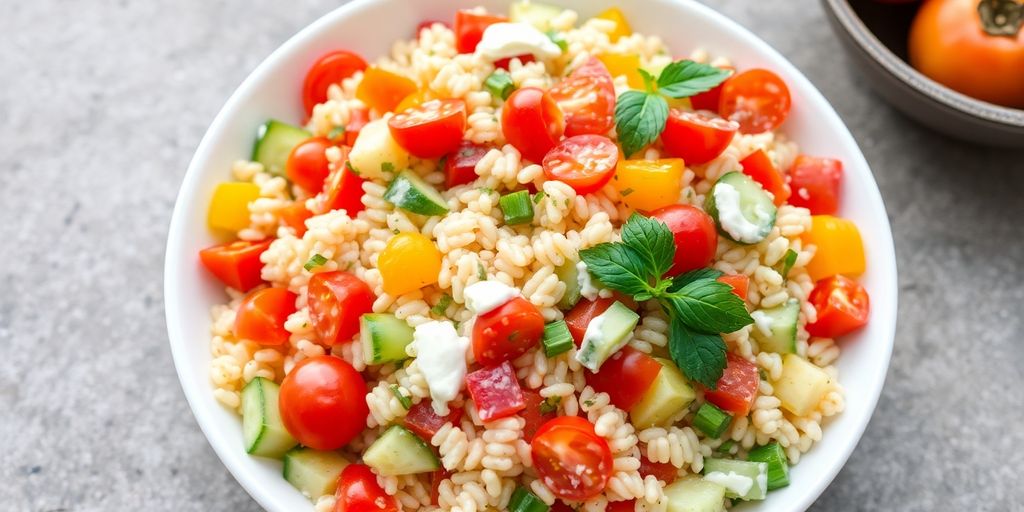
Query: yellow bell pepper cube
408	262
627	64
229	207
383	90
621	25
839	247
647	185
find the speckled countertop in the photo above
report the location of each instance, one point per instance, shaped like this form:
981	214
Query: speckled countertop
102	104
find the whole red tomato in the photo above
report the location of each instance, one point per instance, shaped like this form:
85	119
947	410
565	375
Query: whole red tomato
323	402
694	234
532	122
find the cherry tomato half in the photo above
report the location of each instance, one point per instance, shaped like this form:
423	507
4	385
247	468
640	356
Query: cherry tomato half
584	162
507	331
695	137
760	168
571	459
739	282
757	99
663	471
307	165
579	317
323	402
262	314
587	97
431	129
336	301
358	491
842	305
460	165
816	183
343	190
532	122
469	29
694	233
625	376
329	69
736	390
236	264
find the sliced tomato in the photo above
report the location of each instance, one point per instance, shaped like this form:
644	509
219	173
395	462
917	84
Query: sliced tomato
532	414
343	190
532	122
329	69
295	216
307	165
357	119
737	389
584	162
760	168
469	29
435	485
504	63
587	97
708	100
262	314
571	459
816	184
323	402
495	391
460	165
507	332
424	422
358	491
336	301
757	99
693	231
236	264
695	137
740	283
579	317
842	304
625	376
663	471
430	130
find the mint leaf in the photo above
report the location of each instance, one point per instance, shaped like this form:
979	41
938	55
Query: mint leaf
639	119
684	279
787	263
700	356
685	78
652	239
707	305
617	266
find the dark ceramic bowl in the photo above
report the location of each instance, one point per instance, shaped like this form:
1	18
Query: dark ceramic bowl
875	34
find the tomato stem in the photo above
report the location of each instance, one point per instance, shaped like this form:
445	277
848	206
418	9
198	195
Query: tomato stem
1001	17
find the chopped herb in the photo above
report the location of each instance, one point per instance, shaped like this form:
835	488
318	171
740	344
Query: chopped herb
442	305
336	132
626	192
402	399
557	38
726	446
348	164
486	190
588	403
315	261
396	231
787	263
387	167
762	374
550	404
481	272
538	196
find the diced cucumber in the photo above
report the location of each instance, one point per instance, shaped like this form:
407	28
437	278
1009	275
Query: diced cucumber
274	141
669	393
742	479
536	14
778	464
742	210
376	152
313	473
568	274
262	429
410	193
606	334
781	322
801	386
695	495
384	337
523	500
400	452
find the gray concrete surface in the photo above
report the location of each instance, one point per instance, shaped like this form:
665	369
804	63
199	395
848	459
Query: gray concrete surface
101	106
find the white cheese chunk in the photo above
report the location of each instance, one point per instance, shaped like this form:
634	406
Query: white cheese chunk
730	215
506	40
441	355
485	296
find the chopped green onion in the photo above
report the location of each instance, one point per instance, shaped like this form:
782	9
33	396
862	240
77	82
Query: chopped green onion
538	197
387	167
442	305
500	84
550	404
336	132
402	399
556	37
517	207
726	446
778	464
626	192
787	263
557	338
481	272
315	261
711	420
525	501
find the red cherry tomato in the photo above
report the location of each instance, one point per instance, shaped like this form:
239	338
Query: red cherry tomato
495	391
262	314
625	376
532	122
584	162
236	264
504	63
460	165
587	97
579	317
295	216
571	459
469	29
694	234
695	137
358	491
737	389
621	506
757	99
357	119
663	471
760	168
816	184
329	69
507	332
336	301
323	402
709	100
739	282
532	414
842	305
431	129
343	190
307	165
424	422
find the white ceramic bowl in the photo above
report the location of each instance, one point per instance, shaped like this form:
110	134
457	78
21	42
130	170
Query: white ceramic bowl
370	27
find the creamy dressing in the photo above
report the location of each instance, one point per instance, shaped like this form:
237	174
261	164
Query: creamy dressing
762	322
485	296
506	40
593	335
586	284
730	215
738	484
441	355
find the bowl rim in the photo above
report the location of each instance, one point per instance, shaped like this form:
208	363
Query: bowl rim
195	392
880	53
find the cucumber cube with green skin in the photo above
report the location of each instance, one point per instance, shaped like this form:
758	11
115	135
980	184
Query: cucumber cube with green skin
400	452
615	327
409	192
568	274
741	209
733	474
313	473
669	393
802	385
693	494
384	337
262	429
274	142
782	321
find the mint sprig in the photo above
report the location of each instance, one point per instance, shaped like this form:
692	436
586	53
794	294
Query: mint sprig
700	307
640	116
